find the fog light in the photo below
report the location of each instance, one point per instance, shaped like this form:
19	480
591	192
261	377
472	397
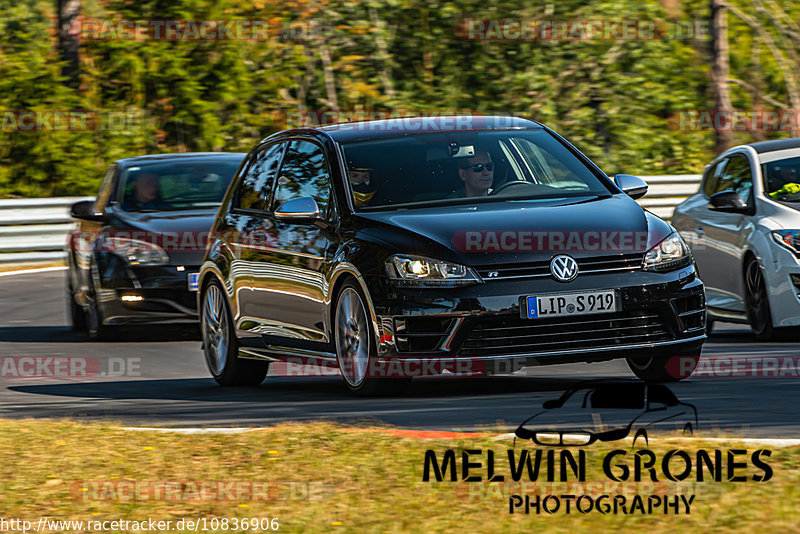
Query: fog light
132	298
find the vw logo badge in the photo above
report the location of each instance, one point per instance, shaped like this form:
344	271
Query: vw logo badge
564	268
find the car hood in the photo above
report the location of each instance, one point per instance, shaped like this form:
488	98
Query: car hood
509	232
182	234
169	221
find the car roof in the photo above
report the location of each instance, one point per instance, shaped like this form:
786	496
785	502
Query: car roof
394	127
777	144
182	156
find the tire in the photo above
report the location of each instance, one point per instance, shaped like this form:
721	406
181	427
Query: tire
757	302
75	311
220	347
95	328
709	326
659	369
356	349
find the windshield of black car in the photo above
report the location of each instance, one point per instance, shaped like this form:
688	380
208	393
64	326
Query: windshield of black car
782	179
171	186
464	167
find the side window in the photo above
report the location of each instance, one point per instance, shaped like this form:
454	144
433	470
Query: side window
737	177
304	173
255	186
712	178
106	188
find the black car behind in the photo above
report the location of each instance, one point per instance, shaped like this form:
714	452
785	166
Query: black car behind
135	257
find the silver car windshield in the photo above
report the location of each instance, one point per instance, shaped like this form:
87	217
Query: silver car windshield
464	167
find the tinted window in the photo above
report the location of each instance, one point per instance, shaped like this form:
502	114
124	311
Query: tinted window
712	178
737	177
782	179
255	187
304	173
458	167
177	185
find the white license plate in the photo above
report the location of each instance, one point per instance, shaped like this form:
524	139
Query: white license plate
194	281
569	304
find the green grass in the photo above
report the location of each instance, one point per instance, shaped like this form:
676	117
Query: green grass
361	481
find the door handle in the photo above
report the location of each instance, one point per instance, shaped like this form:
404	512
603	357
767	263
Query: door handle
699	230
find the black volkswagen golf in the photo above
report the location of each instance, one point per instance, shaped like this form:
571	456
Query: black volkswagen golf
135	256
456	245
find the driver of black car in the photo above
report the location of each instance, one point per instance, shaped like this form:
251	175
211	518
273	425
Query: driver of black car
477	173
145	194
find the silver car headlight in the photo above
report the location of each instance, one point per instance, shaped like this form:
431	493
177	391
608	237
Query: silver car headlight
788	238
407	270
670	254
136	252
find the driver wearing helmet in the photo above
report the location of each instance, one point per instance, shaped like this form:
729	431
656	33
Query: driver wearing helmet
360	181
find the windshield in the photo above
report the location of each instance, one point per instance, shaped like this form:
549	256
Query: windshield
782	179
176	185
460	167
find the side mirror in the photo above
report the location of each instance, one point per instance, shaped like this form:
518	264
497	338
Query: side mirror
552	403
298	210
656	406
84	210
633	186
727	202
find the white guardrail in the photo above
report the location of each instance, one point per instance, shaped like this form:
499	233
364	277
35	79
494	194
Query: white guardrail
34	230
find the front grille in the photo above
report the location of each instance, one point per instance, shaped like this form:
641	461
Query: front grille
691	312
416	334
536	269
507	334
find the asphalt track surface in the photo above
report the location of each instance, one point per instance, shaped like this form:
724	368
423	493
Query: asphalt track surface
157	377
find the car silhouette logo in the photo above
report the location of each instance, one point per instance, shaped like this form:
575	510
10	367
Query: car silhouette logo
564	268
608	410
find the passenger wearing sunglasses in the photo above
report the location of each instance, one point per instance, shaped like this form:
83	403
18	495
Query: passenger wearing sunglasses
477	173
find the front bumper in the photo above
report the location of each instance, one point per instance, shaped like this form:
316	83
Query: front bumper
660	314
164	292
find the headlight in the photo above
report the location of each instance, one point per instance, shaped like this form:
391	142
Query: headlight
671	253
788	238
136	252
419	271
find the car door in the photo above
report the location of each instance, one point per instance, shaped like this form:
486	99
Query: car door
725	237
690	218
246	226
289	282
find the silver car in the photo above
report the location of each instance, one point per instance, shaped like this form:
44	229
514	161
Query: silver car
743	227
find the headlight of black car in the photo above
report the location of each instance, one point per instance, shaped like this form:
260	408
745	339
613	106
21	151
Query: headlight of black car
136	252
670	254
417	271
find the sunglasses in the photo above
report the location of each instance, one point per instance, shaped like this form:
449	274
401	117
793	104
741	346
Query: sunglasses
478	167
